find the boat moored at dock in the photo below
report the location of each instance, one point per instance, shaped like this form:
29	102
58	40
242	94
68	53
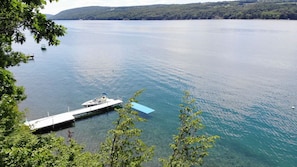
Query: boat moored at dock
50	122
97	101
91	107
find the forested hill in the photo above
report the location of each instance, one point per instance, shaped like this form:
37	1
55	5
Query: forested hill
262	9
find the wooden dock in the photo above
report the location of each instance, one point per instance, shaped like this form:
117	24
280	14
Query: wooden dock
70	116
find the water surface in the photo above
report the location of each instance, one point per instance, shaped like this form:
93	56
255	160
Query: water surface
242	73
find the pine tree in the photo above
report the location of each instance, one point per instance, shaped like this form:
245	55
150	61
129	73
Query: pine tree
123	146
188	147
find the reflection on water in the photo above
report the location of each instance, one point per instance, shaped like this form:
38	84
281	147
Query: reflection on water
242	74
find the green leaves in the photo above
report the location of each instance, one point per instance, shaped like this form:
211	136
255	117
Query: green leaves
188	147
16	16
22	148
42	28
19	147
123	147
10	96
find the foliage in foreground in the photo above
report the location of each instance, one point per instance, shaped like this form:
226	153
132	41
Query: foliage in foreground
17	16
188	147
123	146
20	147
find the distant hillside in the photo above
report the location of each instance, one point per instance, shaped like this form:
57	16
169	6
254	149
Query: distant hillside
248	9
49	15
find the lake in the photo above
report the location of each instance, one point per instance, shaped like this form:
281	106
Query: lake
242	73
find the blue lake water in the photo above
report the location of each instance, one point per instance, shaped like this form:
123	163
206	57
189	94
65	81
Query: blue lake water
242	73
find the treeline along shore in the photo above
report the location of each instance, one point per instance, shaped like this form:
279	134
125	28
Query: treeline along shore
247	9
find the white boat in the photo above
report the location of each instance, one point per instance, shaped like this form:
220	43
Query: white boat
96	101
43	47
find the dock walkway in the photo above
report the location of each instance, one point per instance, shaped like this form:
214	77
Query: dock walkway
69	116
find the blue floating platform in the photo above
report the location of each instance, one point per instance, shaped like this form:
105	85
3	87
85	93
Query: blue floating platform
141	108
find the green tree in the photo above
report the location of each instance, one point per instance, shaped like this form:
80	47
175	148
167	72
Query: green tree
10	96
21	148
123	146
18	146
188	147
15	17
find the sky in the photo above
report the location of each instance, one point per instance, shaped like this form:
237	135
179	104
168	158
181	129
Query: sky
56	7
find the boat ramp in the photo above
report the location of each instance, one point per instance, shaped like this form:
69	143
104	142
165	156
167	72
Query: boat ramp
55	121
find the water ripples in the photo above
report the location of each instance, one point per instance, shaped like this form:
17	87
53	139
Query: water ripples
245	90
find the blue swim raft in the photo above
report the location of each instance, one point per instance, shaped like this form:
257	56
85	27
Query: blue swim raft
141	108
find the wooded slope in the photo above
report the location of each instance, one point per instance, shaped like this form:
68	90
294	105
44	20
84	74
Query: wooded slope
218	10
